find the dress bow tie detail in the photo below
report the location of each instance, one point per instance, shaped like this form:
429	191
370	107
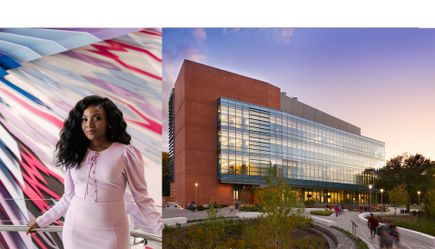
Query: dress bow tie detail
92	159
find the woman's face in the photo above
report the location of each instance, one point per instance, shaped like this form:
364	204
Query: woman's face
94	123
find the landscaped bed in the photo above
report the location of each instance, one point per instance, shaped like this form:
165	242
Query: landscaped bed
240	234
421	224
325	212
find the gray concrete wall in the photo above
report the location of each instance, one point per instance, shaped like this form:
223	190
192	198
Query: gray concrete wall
293	106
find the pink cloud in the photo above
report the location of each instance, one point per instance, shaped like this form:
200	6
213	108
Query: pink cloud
283	35
194	55
200	34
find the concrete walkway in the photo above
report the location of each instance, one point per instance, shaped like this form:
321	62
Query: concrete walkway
344	221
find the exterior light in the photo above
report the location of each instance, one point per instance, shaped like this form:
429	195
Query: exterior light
418	192
196	193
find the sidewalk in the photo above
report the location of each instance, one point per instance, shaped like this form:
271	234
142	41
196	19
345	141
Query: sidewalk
344	221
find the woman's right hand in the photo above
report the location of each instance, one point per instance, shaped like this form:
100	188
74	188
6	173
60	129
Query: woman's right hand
32	225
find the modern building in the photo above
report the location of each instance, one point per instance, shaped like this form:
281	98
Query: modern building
226	130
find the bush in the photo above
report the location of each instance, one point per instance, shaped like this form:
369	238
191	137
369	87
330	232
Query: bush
325	212
309	203
222	205
240	234
421	224
429	204
202	207
250	208
379	208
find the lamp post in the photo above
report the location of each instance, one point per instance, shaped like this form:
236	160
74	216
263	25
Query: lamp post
418	192
196	193
382	200
370	198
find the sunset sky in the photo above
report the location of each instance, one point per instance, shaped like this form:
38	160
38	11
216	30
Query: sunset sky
381	80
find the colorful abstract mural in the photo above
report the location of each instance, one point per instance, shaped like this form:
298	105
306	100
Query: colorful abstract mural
37	90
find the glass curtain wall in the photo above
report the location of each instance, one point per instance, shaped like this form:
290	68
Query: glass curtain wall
252	138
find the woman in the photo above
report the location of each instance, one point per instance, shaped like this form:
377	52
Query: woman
95	149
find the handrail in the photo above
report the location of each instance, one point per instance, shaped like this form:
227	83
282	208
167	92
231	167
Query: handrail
145	235
52	199
24	228
354	227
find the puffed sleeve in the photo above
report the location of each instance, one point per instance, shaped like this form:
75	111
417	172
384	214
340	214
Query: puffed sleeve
60	208
150	219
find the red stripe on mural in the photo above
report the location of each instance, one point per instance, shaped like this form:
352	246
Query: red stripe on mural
34	181
150	33
44	115
104	50
151	124
39	242
143	50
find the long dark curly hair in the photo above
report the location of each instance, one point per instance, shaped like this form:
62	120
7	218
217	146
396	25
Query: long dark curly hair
73	144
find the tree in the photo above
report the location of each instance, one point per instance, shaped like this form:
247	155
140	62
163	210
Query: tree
279	203
412	170
165	174
429	197
429	203
398	197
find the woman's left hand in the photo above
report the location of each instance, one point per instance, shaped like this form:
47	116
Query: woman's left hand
32	225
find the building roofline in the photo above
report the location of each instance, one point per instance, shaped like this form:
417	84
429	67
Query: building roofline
226	71
306	119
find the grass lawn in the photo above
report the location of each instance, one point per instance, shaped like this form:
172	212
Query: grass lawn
421	224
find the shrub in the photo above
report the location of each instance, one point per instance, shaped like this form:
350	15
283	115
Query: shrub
429	203
279	202
398	196
250	208
421	224
325	212
202	207
309	203
241	234
379	208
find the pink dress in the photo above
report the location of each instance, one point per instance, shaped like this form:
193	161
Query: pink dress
94	205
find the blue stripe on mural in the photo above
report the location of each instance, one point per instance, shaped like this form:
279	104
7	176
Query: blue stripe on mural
3	73
24	93
7	62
